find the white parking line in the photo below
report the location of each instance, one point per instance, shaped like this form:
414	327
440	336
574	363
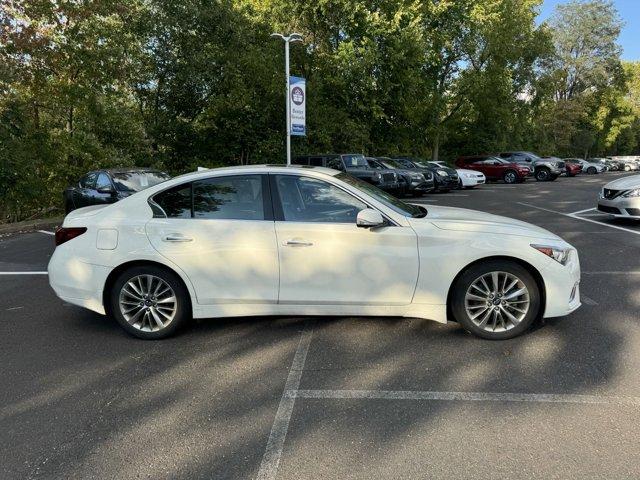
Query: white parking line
573	215
587	301
46	232
275	444
464	396
24	273
615	272
582	211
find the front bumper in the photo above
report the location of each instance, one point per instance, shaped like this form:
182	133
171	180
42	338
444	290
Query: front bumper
449	182
473	181
562	287
620	207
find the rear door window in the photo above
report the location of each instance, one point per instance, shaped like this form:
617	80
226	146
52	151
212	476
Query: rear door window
237	197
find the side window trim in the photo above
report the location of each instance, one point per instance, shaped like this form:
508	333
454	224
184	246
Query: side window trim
279	213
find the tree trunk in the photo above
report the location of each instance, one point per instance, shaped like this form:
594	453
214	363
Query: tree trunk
69	126
435	151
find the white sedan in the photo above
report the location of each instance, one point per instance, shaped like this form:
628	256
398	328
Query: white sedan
277	240
470	178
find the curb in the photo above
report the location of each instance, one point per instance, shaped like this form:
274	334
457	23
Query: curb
30	225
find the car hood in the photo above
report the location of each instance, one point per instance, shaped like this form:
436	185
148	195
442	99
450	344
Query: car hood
464	170
464	220
624	183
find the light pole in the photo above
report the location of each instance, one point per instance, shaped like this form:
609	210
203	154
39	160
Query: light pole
291	38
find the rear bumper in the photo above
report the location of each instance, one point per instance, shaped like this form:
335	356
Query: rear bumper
76	281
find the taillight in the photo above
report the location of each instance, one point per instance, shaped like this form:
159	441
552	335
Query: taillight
66	234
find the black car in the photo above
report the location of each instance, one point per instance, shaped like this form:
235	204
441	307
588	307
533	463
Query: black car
445	178
354	164
413	181
108	186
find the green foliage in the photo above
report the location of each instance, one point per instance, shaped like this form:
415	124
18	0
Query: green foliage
182	83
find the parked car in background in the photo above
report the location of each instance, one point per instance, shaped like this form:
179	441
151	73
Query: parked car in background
626	165
587	167
354	164
495	168
110	185
445	178
467	178
621	198
602	161
278	240
414	181
573	169
570	170
543	170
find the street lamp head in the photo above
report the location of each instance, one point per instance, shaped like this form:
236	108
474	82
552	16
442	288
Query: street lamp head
295	37
277	35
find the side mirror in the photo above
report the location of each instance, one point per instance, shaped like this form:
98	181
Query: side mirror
105	189
369	218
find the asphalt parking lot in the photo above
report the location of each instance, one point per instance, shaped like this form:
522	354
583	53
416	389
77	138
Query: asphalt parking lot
333	398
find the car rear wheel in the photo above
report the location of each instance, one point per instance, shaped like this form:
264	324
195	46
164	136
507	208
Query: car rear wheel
591	170
510	176
496	299
150	302
627	168
543	174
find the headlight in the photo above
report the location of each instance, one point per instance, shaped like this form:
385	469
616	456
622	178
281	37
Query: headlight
417	176
631	193
469	175
442	173
560	255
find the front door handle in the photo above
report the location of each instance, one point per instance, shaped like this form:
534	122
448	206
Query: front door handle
297	243
176	237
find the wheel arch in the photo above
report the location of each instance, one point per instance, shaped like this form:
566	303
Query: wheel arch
530	268
113	275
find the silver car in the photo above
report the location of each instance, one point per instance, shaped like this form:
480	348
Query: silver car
587	166
621	198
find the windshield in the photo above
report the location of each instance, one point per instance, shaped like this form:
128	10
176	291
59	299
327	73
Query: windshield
390	201
136	181
389	163
354	161
533	156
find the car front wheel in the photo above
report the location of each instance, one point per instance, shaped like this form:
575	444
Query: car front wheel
150	302
591	170
510	176
496	299
543	174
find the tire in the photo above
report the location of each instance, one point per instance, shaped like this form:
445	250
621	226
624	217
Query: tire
627	168
543	174
592	170
510	176
144	326
463	308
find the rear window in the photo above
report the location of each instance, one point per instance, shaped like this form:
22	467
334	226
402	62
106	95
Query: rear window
136	181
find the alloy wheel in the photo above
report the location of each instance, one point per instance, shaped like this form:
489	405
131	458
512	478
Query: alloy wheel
148	303
497	301
510	177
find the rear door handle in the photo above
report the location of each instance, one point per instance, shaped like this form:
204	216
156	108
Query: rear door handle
177	238
297	243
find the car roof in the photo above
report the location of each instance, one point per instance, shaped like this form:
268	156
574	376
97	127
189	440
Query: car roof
264	168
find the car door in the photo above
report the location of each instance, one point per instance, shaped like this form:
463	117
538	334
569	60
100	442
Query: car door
83	195
325	259
220	232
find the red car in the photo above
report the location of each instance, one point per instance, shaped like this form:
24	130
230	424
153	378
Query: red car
573	169
495	168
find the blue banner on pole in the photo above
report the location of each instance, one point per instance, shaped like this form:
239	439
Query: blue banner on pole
297	105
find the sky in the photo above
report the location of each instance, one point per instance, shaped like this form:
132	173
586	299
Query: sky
629	10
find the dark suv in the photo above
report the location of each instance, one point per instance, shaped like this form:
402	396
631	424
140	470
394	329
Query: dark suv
445	178
413	181
543	170
354	164
495	168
